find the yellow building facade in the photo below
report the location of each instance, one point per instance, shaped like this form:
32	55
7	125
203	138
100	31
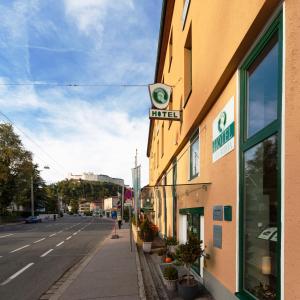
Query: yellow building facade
226	171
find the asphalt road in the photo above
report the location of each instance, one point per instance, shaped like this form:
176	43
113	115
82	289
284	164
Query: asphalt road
34	256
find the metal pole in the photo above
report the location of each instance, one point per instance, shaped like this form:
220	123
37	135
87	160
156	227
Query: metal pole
122	202
32	197
130	229
135	193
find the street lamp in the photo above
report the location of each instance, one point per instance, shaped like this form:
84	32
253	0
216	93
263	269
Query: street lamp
32	193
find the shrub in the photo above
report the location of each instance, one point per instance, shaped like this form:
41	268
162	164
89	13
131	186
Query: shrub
171	241
147	232
187	254
170	273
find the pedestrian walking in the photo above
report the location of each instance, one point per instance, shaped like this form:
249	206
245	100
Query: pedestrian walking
119	218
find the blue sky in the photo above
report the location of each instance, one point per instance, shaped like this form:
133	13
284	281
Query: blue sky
80	41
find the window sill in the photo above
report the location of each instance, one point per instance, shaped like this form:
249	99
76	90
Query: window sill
244	296
193	177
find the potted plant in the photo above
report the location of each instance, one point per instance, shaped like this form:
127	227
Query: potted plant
170	274
187	254
147	233
171	243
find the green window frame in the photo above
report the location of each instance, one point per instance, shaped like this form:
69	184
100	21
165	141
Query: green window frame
194	169
249	142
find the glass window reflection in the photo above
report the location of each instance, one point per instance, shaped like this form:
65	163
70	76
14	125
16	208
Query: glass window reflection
260	216
263	89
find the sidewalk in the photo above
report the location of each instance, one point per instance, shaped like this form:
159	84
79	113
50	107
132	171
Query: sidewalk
110	274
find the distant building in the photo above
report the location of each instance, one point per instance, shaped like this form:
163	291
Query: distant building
96	205
94	177
110	204
84	207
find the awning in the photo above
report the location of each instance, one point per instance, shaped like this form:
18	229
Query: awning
185	195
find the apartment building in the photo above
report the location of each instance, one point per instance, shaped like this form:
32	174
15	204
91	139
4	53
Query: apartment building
227	170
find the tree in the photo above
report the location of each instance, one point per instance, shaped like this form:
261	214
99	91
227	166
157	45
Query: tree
16	173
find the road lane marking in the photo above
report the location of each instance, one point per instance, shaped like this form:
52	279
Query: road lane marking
39	240
46	253
60	231
16	274
74	233
3	236
19	248
53	234
68	237
59	244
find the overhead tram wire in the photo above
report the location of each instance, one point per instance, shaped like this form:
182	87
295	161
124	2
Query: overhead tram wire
71	84
34	142
122	85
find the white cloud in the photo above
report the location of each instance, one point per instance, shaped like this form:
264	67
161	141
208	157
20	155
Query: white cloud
83	136
90	15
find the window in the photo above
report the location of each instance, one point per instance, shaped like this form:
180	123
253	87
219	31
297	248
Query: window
194	156
188	66
185	9
260	168
170	50
263	89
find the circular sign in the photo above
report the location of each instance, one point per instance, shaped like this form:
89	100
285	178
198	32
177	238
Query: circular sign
160	98
222	121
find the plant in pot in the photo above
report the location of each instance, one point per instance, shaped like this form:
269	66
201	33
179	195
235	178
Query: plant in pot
147	234
171	243
170	274
187	254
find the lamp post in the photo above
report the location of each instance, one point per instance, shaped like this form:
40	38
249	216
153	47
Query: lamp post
32	192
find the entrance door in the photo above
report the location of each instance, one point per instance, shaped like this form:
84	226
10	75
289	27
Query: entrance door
195	226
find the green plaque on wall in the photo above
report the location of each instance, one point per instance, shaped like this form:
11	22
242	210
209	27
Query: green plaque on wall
228	213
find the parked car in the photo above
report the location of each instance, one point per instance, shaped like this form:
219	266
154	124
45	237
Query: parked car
35	219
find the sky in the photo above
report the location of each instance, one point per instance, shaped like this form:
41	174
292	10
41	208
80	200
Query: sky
84	42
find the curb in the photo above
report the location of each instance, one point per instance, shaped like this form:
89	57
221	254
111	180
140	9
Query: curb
142	292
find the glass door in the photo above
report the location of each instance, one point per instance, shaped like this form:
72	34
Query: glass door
193	228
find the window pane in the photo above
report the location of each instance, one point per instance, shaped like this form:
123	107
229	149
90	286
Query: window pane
263	89
195	158
260	219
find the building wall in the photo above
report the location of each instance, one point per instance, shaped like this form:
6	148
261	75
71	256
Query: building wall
291	142
235	27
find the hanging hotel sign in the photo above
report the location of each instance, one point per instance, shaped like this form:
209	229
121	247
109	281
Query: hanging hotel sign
160	95
164	114
223	131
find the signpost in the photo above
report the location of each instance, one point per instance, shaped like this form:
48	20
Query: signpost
160	95
114	216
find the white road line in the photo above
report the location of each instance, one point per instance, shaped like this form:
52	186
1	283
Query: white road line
3	236
1	256
53	234
68	237
74	233
19	248
46	253
39	240
16	274
60	231
59	244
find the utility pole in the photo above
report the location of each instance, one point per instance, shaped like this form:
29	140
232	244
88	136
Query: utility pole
32	198
122	202
135	196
